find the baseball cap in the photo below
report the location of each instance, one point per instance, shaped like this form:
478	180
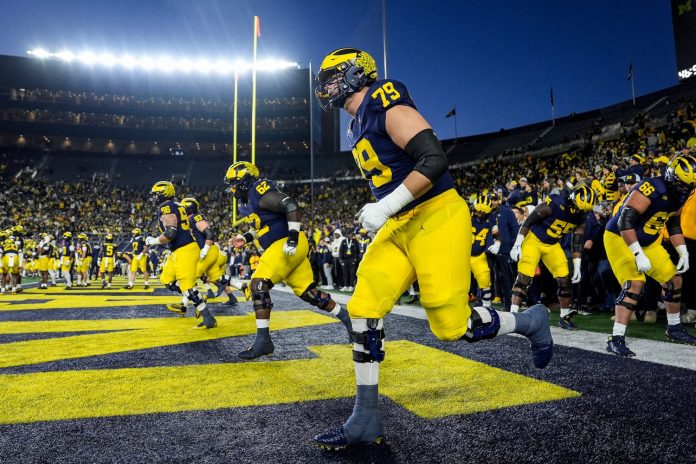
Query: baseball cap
523	179
630	178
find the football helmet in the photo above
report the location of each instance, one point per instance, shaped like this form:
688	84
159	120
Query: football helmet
17	230
82	236
582	198
162	191
239	177
681	173
483	204
109	237
342	73
191	205
136	232
67	235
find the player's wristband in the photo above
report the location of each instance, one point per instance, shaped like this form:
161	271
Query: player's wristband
248	237
635	248
682	250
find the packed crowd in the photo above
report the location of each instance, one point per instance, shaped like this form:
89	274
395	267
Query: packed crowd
609	168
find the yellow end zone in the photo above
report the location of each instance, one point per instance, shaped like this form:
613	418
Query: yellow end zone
426	381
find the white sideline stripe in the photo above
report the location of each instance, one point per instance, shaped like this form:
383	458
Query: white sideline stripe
665	353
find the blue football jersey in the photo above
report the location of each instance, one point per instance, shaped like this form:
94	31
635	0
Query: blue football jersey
379	159
269	225
482	237
194	219
664	203
183	235
561	221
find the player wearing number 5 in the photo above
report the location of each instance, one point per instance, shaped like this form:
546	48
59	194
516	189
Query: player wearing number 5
179	272
275	221
548	224
423	231
634	249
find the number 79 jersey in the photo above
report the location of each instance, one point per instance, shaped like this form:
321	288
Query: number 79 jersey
379	159
663	205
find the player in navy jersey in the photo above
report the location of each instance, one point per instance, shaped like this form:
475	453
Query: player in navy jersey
140	259
548	224
634	249
208	269
179	272
423	230
482	239
275	222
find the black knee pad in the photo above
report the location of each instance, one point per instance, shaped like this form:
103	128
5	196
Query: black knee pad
316	297
522	283
482	330
563	287
225	280
261	294
625	293
371	340
670	294
194	296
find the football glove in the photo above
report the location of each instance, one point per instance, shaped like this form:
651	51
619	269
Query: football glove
683	264
495	248
151	241
516	251
642	261
577	275
290	247
372	216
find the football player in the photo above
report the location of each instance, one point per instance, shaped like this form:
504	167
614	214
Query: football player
45	254
10	261
18	236
634	249
83	261
179	271
107	260
423	228
548	224
67	257
3	275
275	220
140	260
208	267
481	226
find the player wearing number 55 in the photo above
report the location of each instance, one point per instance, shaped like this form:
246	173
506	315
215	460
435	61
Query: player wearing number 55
423	230
548	224
275	221
633	240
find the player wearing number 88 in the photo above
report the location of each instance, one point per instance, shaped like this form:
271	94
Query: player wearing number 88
634	249
423	229
275	221
548	224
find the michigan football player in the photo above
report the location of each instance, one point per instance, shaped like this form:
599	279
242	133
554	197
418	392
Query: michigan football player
634	249
275	221
423	229
179	272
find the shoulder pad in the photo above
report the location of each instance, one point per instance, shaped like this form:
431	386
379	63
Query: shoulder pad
168	207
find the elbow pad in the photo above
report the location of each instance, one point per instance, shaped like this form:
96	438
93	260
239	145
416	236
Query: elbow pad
427	152
576	243
289	204
533	218
674	226
170	233
628	218
208	233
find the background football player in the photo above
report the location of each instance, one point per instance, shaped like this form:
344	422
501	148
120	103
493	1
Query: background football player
423	229
10	262
84	262
140	260
548	224
208	268
45	253
482	240
179	271
18	237
67	258
275	219
634	249
107	260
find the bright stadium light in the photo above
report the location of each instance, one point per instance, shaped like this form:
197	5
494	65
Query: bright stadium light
163	63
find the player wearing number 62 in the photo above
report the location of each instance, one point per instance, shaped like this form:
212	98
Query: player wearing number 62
423	231
548	224
275	221
634	248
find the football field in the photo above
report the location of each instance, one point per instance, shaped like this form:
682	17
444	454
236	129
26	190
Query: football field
91	375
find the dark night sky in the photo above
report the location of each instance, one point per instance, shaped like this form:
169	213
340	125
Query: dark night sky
494	60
